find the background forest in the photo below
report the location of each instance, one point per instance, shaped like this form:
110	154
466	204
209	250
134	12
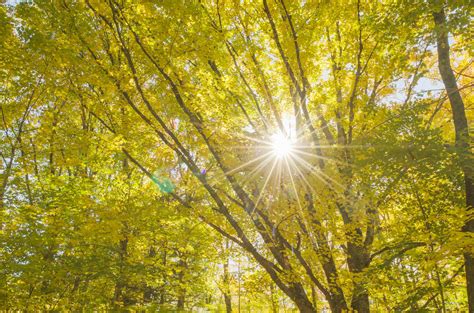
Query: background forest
236	155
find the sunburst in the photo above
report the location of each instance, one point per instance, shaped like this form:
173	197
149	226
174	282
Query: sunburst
284	160
281	145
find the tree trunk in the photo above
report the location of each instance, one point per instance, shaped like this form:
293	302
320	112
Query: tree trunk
358	261
226	288
181	299
119	284
149	292
360	300
163	287
228	303
299	297
462	139
272	298
182	290
314	297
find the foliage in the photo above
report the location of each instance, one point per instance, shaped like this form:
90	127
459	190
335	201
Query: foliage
139	171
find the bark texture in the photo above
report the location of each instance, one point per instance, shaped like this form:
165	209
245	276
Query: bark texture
463	144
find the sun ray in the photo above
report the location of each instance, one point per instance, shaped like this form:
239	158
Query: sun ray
296	192
306	127
257	140
301	174
264	185
232	171
322	158
327	146
262	164
313	168
288	160
256	170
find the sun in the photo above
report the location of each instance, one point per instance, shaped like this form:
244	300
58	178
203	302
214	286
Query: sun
281	146
284	160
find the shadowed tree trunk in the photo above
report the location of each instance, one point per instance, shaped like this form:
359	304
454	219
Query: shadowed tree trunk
272	298
163	287
182	288
358	261
149	292
462	138
226	288
119	285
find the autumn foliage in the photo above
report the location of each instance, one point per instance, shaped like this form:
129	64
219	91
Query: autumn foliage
224	155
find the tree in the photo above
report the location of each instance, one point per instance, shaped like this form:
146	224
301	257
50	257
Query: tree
281	125
463	141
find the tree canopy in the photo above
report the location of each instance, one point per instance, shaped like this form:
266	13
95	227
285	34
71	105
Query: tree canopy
226	155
